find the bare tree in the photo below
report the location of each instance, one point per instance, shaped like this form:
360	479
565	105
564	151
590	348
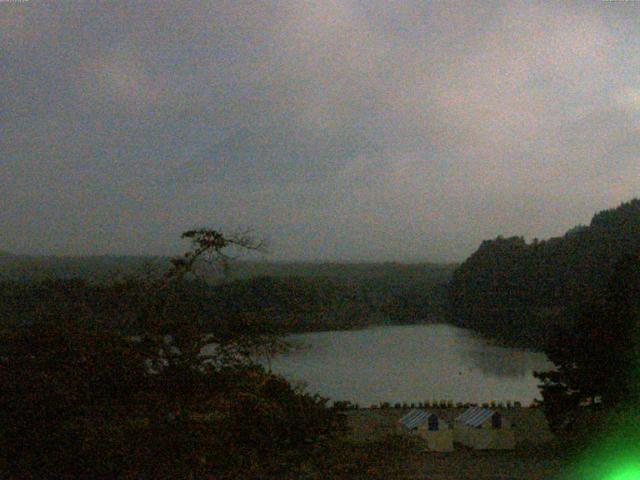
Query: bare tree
214	247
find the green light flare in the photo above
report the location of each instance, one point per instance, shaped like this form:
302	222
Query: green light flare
627	471
614	453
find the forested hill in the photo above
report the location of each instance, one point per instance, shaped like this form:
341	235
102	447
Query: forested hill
289	296
515	291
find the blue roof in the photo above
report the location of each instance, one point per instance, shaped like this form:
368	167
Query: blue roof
475	416
414	418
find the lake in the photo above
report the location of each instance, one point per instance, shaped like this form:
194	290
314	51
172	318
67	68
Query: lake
412	363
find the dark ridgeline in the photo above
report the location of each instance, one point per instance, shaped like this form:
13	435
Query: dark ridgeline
518	292
298	296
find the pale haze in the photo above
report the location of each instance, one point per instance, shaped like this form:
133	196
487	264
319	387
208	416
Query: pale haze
336	129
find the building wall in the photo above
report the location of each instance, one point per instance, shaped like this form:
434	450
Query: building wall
439	440
485	438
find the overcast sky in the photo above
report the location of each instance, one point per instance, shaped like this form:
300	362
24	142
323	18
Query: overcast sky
336	129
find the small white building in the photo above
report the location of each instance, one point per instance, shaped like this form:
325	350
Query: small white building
434	430
484	429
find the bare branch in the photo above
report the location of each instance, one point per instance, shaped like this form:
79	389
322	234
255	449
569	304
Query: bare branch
212	246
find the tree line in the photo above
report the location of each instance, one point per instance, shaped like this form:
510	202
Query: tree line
293	298
137	381
577	298
517	291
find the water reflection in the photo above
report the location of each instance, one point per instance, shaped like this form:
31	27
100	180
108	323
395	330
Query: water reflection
410	363
504	362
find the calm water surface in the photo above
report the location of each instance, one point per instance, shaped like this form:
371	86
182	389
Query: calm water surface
412	363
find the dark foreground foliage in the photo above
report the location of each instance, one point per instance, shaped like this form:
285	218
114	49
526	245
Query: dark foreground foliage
597	355
81	397
80	403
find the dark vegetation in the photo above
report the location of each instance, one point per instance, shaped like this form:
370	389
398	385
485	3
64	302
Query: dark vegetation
518	292
597	354
102	372
576	297
80	397
294	297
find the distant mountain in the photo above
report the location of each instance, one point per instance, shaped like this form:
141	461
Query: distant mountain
26	268
515	291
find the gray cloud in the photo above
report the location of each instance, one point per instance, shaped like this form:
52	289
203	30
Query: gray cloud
337	128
